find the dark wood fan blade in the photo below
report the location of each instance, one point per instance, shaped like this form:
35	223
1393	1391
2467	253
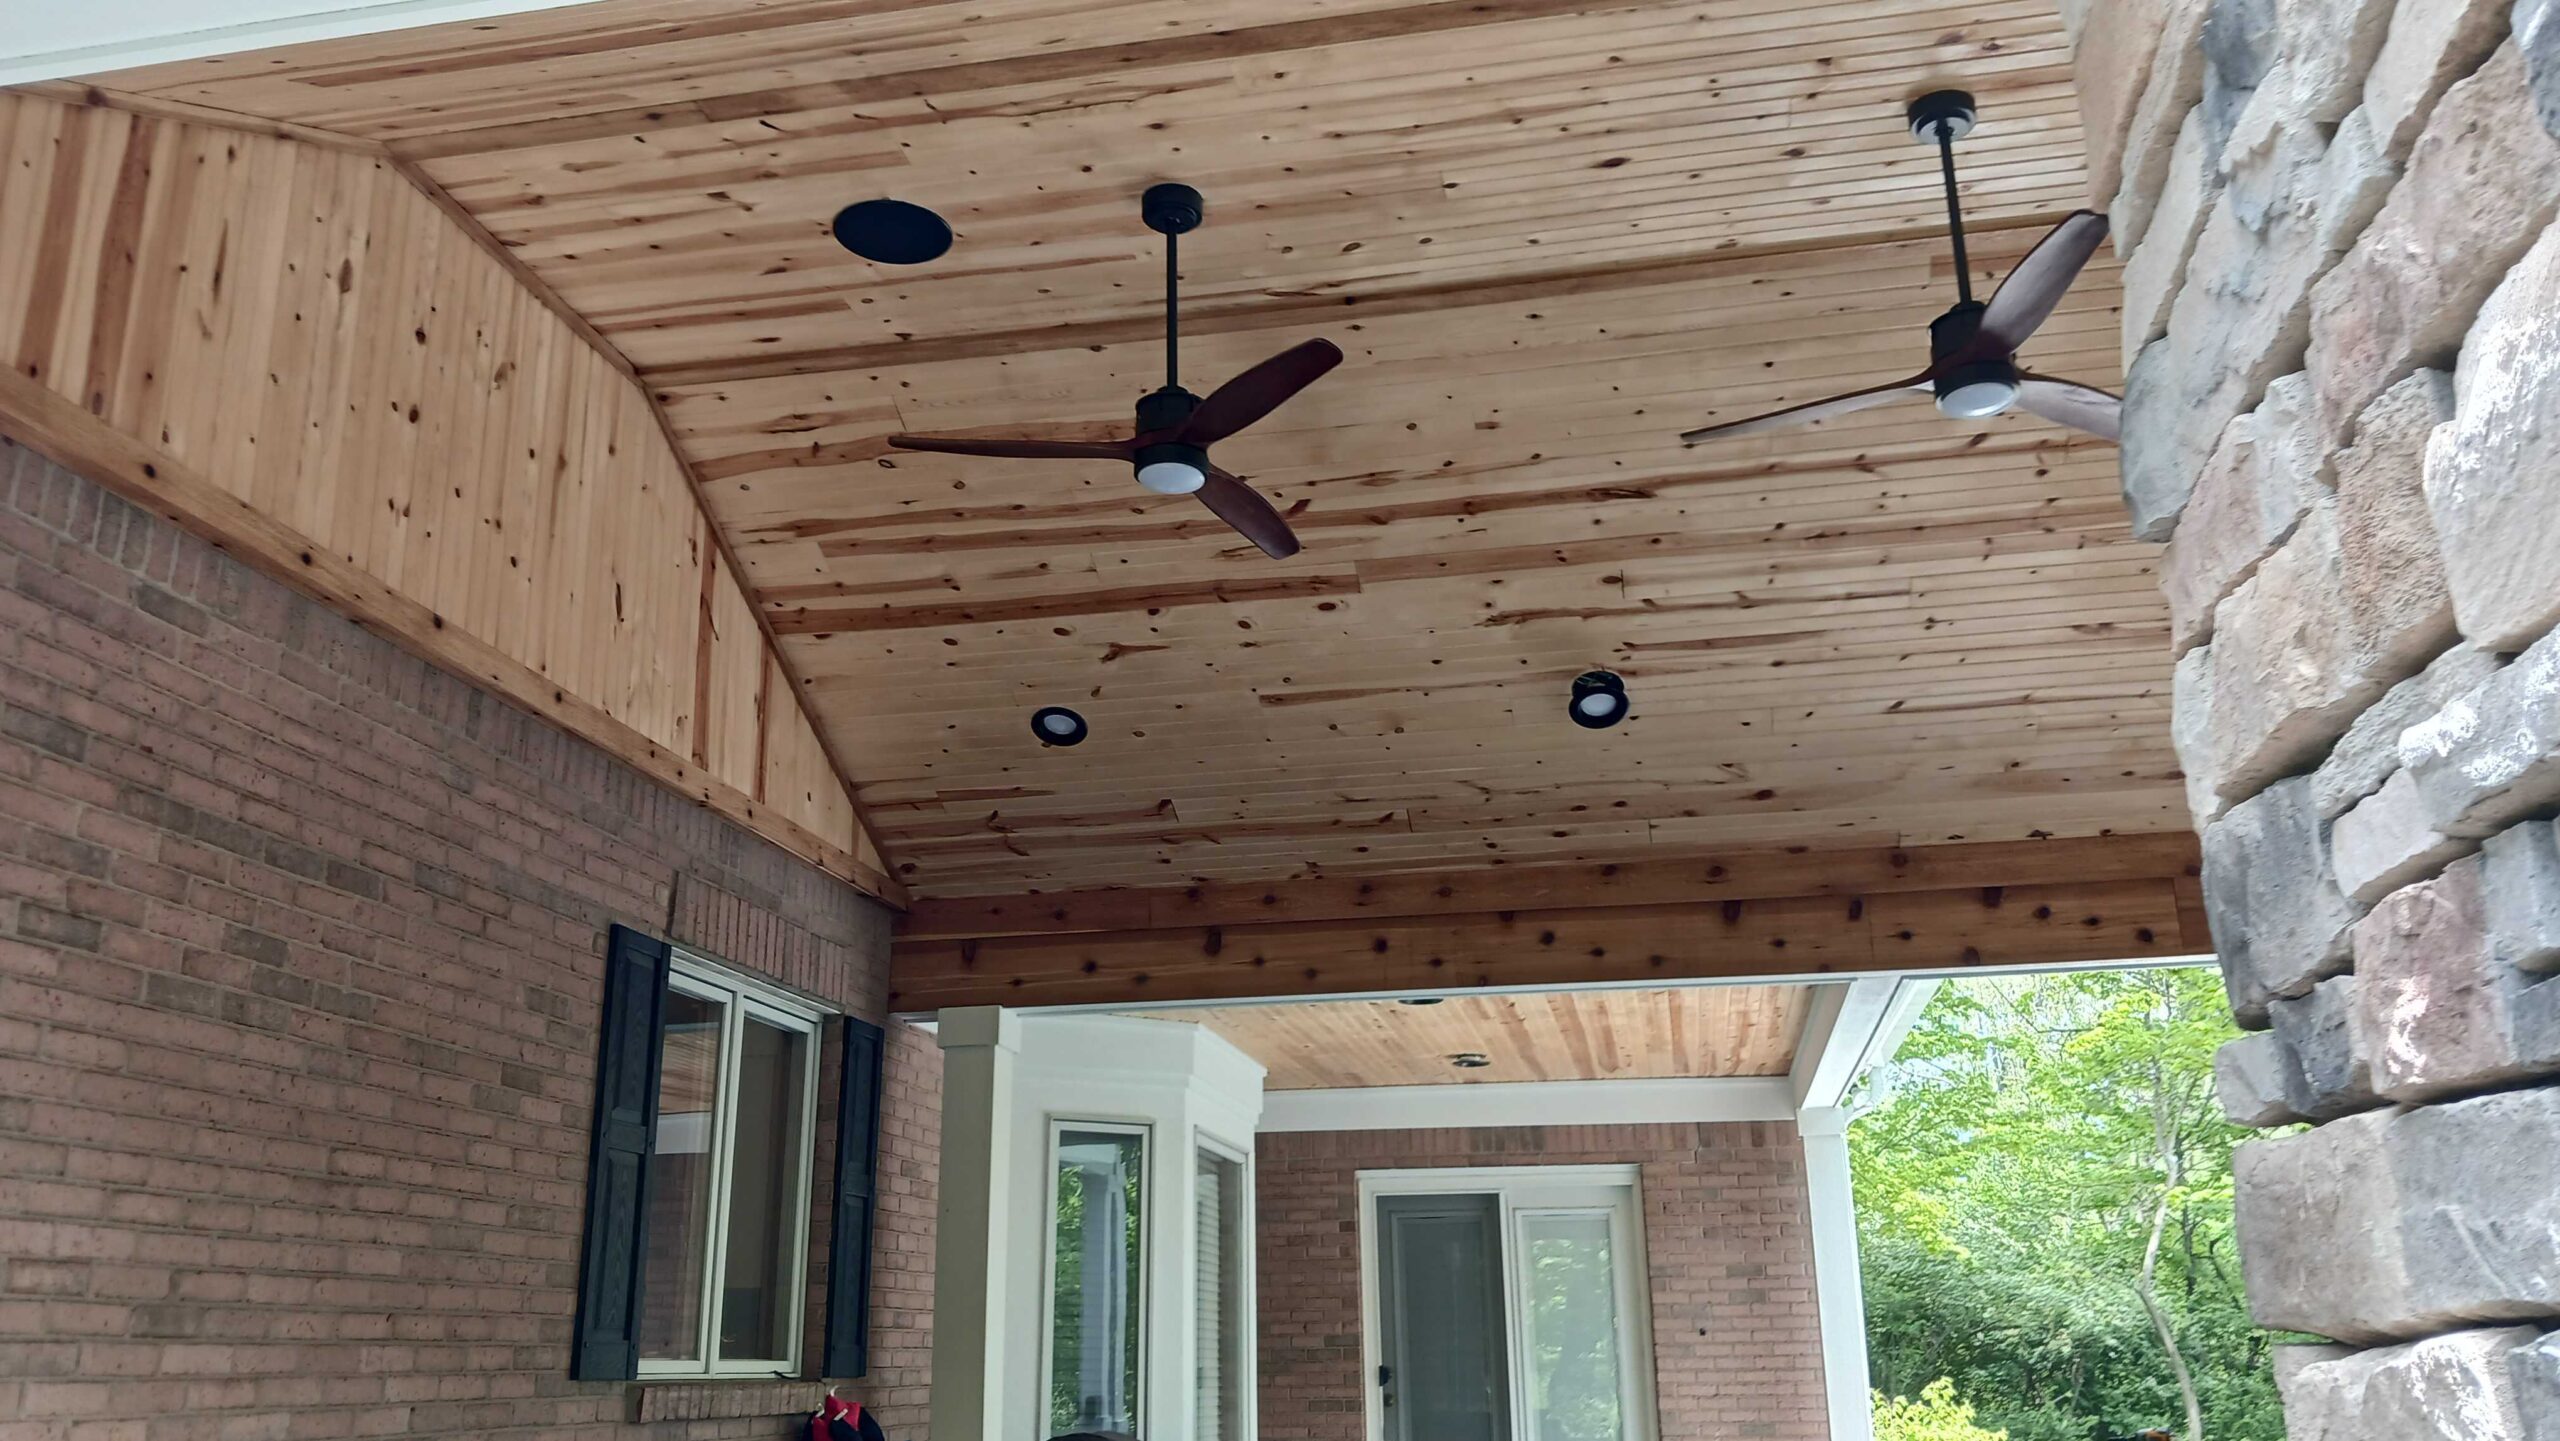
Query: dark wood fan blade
1258	392
1254	518
2068	402
1811	411
1017	449
2027	298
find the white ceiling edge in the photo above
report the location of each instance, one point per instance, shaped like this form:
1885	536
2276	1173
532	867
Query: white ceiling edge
1468	1105
55	41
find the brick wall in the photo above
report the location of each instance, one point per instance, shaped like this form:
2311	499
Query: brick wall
2342	414
1737	1342
300	959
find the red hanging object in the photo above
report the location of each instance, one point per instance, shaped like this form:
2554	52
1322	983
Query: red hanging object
842	1420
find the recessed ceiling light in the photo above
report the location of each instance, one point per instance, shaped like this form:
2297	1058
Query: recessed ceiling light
1420	1000
1056	725
1470	1060
1599	700
893	232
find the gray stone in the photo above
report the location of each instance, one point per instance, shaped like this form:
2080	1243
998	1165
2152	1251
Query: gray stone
2243	316
2492	482
2537	31
2190	721
2436	1009
2491	756
2240	42
2118	43
2263	478
2398	611
2390	1224
2534	1370
2328	48
2432	43
2171	217
2481	184
2251	1077
2152	134
2318	1221
2279	920
2287	676
2521	874
2479	1183
2328	1068
2386	842
2369	753
2445	1388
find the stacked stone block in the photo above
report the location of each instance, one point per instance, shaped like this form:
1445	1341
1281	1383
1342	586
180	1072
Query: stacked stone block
2340	221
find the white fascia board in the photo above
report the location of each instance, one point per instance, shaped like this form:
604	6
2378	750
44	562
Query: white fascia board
43	40
1837	1034
1461	1106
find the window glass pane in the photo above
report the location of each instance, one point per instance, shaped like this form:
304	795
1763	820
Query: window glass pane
676	1229
759	1281
1218	1195
1095	1285
1570	1313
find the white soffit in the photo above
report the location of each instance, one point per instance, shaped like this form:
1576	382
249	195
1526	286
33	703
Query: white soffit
56	39
1530	1103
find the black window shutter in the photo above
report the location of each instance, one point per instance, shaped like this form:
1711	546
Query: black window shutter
607	1345
848	1343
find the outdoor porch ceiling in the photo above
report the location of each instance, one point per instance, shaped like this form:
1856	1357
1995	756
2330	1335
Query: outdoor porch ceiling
1550	235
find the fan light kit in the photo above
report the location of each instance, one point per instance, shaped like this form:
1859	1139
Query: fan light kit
1973	349
1056	725
893	232
1599	700
1170	451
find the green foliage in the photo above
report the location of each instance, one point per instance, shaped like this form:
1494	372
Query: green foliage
2008	1193
1936	1416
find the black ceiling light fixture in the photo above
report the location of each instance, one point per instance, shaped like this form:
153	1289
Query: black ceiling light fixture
893	232
1056	725
1973	349
1420	1000
1470	1060
1599	700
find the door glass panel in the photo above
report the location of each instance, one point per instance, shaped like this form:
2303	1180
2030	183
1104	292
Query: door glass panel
757	1284
1218	1193
676	1230
1447	1376
1095	1284
1569	1317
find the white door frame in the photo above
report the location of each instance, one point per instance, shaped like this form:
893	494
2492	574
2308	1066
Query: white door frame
1514	1186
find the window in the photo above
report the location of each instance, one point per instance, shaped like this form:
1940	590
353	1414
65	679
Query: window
725	1233
1506	1303
1218	1297
1097	1276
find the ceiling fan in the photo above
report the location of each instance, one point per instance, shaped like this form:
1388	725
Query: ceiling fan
1973	349
1175	428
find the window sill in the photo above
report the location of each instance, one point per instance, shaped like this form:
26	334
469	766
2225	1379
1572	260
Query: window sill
692	1398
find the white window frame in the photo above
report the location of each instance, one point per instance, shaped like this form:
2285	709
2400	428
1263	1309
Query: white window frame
743	997
1148	1160
1523	1191
1248	1303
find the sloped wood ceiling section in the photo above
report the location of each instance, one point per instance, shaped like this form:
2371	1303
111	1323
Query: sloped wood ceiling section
1550	234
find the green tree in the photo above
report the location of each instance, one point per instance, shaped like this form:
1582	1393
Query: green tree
1936	1416
2045	1211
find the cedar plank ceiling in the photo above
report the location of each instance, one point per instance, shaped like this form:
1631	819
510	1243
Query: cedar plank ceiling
1549	235
1630	1035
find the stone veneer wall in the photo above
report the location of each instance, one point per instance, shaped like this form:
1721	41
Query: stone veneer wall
1737	1338
2342	332
301	955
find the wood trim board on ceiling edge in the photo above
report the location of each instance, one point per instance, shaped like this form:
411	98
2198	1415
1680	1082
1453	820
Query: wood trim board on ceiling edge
60	429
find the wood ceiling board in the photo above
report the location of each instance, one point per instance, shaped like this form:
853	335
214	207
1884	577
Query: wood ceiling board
1657	1034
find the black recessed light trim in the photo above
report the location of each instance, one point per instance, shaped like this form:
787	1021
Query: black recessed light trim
1599	700
1056	725
1471	1060
893	232
1420	1000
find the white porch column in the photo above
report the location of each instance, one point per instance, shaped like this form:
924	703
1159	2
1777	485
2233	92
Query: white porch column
1839	1294
970	1262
